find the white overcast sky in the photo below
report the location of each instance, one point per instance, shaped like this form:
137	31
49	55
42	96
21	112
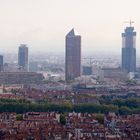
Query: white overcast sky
43	24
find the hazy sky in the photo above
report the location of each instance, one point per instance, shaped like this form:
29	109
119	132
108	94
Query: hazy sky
43	24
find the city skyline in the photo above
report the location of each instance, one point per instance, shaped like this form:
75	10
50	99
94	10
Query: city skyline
34	23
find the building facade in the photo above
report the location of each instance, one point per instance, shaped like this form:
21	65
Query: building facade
87	70
73	55
1	63
21	78
129	49
23	58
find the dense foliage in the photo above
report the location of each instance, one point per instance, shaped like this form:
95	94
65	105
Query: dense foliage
121	106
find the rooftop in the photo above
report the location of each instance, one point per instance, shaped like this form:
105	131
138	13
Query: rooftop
73	32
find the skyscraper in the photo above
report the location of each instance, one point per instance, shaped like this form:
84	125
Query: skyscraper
1	62
23	57
129	49
73	55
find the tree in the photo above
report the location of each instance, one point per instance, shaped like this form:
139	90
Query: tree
63	119
19	117
100	118
125	110
14	91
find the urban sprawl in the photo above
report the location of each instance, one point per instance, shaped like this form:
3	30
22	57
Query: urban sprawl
52	97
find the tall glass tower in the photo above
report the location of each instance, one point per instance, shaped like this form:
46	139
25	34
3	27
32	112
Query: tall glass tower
23	57
1	63
73	55
129	49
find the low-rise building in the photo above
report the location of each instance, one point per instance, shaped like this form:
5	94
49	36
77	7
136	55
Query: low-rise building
21	78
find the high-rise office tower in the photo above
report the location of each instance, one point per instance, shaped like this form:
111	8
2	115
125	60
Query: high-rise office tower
73	55
1	62
129	49
23	57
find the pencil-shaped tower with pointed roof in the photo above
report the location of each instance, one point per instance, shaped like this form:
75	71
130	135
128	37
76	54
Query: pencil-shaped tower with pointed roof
72	55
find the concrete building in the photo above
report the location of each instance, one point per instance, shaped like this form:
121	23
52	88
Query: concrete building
114	73
129	49
21	78
1	63
73	55
23	58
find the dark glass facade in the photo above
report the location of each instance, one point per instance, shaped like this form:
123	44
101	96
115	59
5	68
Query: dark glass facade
23	58
129	50
73	55
1	62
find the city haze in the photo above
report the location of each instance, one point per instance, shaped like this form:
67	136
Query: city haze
43	24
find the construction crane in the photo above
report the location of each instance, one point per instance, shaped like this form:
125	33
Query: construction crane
90	60
130	22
